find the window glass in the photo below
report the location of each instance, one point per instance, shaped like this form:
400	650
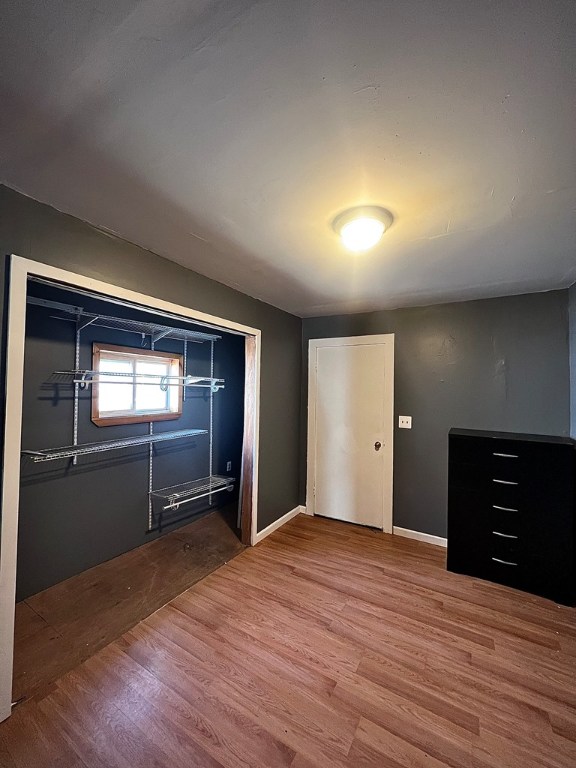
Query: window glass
149	394
116	393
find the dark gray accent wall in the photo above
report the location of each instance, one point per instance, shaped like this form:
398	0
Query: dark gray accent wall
38	232
572	332
497	364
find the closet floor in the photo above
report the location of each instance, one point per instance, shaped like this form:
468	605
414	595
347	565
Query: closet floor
59	628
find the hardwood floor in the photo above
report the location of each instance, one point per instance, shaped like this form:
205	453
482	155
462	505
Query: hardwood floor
325	645
64	625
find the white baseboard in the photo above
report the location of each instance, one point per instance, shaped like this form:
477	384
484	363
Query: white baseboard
427	537
278	523
304	510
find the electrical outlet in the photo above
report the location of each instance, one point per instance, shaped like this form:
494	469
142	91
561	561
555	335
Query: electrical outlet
228	466
405	422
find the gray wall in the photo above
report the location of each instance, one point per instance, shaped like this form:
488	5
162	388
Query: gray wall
495	364
499	364
572	314
38	232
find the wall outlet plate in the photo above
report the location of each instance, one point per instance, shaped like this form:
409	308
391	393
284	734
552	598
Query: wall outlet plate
228	466
405	422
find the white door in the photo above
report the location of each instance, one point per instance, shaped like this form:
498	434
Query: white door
350	429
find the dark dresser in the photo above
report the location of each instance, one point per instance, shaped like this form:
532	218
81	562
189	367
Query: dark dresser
512	510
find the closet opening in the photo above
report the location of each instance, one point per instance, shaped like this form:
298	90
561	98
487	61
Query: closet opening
136	469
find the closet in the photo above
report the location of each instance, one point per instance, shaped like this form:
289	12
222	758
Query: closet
132	445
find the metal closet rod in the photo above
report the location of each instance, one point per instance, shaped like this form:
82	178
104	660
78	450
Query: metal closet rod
193	490
69	451
162	381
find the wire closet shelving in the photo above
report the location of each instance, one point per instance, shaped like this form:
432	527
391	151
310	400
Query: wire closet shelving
169	498
69	451
86	377
174	495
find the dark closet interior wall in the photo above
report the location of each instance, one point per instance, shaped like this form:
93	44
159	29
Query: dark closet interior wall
39	232
572	313
74	517
497	364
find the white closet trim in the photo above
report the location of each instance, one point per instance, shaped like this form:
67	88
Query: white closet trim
20	270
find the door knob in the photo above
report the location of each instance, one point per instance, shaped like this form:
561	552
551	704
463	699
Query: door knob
377	445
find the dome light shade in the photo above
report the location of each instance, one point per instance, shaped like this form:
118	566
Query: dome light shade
361	228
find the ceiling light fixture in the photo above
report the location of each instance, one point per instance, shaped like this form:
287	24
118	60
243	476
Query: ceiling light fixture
362	227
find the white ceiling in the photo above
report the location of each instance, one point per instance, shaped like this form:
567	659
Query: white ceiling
227	134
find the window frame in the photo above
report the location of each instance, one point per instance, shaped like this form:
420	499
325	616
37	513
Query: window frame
133	417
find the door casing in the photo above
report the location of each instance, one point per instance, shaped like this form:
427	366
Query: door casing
387	341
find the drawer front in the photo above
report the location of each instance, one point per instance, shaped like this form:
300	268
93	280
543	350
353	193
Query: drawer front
506	561
508	572
489	452
508	521
530	573
506	547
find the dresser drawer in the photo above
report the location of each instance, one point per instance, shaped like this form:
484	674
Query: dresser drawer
500	455
507	547
508	562
486	452
530	573
508	572
510	521
488	507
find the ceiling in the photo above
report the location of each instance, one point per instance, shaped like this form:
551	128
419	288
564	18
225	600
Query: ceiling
225	135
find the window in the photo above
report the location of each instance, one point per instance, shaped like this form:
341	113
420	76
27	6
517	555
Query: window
132	385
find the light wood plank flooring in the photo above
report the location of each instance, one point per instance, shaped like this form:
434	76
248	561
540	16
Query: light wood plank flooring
325	645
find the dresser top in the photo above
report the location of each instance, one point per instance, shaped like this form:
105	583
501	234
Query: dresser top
558	440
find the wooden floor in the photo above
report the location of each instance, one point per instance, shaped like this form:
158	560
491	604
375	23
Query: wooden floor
326	645
64	625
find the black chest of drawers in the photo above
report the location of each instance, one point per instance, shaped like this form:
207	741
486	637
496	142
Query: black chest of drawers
512	509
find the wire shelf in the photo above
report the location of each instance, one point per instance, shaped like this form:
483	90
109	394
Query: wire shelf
174	495
156	331
86	377
67	452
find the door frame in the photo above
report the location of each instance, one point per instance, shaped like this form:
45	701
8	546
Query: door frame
387	341
20	269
